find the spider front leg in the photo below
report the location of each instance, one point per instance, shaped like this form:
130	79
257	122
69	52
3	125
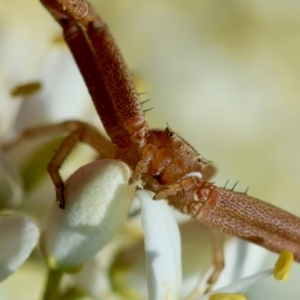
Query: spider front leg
153	161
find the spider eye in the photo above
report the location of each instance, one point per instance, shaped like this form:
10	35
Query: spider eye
64	21
199	160
179	145
170	134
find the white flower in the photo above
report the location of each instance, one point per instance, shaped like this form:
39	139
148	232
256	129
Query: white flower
19	235
280	271
215	59
98	200
163	248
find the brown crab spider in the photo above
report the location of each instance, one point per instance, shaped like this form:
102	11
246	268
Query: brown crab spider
162	160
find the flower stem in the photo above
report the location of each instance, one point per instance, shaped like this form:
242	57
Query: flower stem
53	281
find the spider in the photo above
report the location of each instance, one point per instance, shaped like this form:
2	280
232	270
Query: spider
166	163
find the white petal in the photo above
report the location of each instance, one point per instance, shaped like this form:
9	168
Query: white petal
19	235
98	199
163	248
241	259
63	95
10	183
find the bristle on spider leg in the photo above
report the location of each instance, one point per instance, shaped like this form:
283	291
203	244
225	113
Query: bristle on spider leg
226	183
146	110
235	185
142	102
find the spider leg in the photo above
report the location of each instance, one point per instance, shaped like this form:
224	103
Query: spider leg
78	132
218	257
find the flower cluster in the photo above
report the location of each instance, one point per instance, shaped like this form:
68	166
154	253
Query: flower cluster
110	242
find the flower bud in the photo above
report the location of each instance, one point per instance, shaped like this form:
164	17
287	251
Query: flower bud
19	235
98	199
